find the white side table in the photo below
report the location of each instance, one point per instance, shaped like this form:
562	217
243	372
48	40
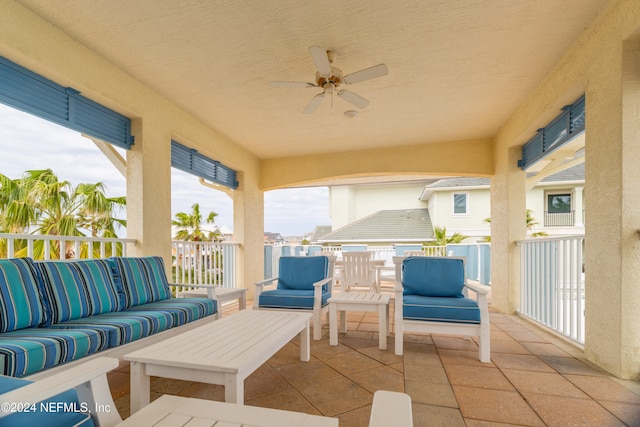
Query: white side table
223	295
358	301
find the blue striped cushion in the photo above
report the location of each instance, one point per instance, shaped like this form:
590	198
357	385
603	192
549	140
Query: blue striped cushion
31	350
290	298
78	289
142	280
123	327
440	309
183	310
39	417
20	305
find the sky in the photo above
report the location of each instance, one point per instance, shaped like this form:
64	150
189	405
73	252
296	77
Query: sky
28	143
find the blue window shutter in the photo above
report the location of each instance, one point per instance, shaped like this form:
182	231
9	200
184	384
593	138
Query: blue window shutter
561	130
189	160
27	91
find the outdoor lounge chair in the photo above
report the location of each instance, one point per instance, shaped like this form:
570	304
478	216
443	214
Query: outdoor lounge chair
303	283
431	297
357	272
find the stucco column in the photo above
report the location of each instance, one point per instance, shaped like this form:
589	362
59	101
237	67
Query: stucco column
149	190
248	230
612	192
508	225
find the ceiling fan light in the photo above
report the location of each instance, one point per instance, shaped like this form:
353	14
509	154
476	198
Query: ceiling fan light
351	114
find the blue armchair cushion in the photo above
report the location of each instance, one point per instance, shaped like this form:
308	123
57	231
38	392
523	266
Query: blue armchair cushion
20	303
302	272
142	280
440	309
433	277
285	298
37	417
78	289
30	350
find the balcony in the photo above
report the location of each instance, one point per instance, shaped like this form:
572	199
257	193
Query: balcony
559	219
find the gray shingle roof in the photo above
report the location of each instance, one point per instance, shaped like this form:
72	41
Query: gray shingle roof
460	182
403	225
319	232
574	173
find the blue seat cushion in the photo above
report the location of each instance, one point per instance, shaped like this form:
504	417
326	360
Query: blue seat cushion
433	277
20	302
142	280
440	309
26	351
302	272
123	327
78	289
36	416
282	298
183	310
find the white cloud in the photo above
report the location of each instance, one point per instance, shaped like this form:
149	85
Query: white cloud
27	142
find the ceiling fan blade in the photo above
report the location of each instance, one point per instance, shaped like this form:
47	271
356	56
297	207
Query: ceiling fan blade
366	74
351	97
320	58
291	84
314	104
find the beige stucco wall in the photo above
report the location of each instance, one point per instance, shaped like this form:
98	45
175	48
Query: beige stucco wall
429	159
33	43
596	65
350	203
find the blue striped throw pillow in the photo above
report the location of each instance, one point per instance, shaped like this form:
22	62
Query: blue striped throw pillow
143	279
20	304
78	289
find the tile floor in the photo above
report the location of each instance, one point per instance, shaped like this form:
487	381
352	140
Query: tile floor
534	379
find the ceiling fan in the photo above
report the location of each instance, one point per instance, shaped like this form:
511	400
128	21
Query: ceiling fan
329	78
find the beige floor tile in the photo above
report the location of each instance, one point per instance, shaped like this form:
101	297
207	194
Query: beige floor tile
357	339
454	343
119	384
303	373
495	405
525	336
288	400
336	396
478	376
288	354
545	349
204	391
168	385
432	373
265	380
430	393
351	362
520	361
549	383
355	418
558	411
460	357
628	413
603	388
379	378
382	356
436	416
507	345
481	423
399	366
570	365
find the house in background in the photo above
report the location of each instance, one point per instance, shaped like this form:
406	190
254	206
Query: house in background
459	204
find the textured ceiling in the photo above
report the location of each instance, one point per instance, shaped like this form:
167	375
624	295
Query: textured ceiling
458	69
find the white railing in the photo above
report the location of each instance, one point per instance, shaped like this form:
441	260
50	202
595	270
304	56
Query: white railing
552	284
71	247
204	263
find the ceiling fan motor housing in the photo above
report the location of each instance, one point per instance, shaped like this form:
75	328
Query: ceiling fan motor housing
335	79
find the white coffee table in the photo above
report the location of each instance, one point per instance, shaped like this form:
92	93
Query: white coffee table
358	301
224	351
181	411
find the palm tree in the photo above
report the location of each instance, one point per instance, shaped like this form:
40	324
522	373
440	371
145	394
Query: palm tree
189	228
530	223
441	238
39	203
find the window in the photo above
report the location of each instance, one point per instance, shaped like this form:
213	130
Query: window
559	203
460	203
